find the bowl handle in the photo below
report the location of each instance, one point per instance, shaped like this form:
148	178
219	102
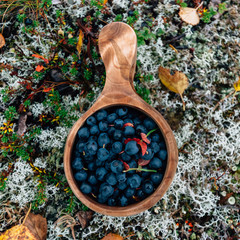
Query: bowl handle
118	49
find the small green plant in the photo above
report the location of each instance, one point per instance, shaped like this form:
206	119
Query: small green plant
181	3
208	14
222	7
144	93
144	35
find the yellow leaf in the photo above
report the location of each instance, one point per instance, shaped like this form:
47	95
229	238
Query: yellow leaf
18	232
80	42
2	40
176	83
189	15
236	85
112	236
105	1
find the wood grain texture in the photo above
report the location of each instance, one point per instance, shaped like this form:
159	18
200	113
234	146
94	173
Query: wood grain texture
118	46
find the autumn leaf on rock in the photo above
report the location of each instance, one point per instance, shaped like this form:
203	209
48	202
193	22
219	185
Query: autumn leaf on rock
80	42
144	138
189	15
2	40
176	83
112	236
236	85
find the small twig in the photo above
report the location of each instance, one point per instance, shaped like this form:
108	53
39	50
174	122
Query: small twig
175	38
216	106
27	214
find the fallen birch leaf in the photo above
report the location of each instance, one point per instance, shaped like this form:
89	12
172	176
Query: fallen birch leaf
34	228
2	40
236	85
80	42
22	124
189	15
112	236
84	217
176	83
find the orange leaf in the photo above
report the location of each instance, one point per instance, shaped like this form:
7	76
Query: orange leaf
80	42
40	57
2	40
142	162
105	1
126	166
236	85
112	236
47	89
39	68
144	138
143	146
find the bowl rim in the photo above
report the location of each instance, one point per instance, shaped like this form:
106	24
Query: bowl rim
142	205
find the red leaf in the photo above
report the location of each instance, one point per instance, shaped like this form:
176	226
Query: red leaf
39	68
41	57
142	162
128	125
144	138
131	139
143	146
126	166
47	89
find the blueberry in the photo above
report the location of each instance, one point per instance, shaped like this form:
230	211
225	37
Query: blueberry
92	179
134	181
117	135
128	131
93	138
80	175
156	178
127	120
129	192
103	139
87	157
112	155
137	121
141	129
117	147
112	202
103	126
91	147
147	187
111	179
101	199
121	112
155	163
148	155
100	164
162	154
145	174
149	124
91	121
112	117
77	164
111	131
133	164
80	146
155	147
131	148
94	130
155	137
121	177
123	201
83	134
118	123
162	145
140	194
107	165
117	166
91	166
101	115
101	173
122	186
79	61
125	157
102	154
116	193
106	190
28	21
85	188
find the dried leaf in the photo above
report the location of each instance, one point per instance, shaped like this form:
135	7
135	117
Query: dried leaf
22	124
126	166
142	162
236	85
39	68
61	32
143	146
176	83
34	228
128	125
189	15
40	57
37	225
144	138
80	42
112	236
2	40
84	217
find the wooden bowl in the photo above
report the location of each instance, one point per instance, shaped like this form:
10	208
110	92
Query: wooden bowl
118	48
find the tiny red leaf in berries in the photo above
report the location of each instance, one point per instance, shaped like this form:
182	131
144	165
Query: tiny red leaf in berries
144	138
128	125
142	162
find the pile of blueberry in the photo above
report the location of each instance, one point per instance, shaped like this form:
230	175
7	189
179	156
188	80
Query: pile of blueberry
119	156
